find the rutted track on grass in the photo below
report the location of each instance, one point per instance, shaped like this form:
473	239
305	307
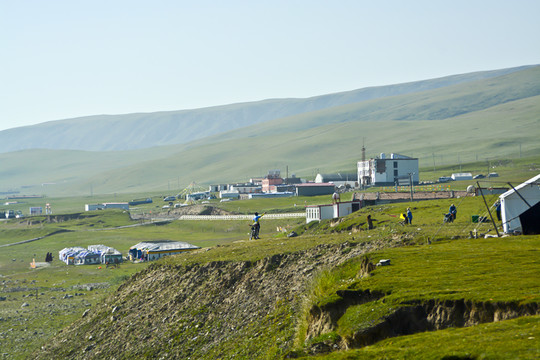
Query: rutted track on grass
35	239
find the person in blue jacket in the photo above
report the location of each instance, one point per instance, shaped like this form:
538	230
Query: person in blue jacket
257	224
452	211
409	215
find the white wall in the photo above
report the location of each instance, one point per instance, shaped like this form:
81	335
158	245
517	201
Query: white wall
342	209
512	205
327	212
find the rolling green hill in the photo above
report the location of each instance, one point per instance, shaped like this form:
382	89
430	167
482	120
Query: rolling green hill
145	130
497	117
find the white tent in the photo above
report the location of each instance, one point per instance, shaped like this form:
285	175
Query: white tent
520	208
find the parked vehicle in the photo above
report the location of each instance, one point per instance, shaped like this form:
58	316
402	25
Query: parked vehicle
444	179
169	198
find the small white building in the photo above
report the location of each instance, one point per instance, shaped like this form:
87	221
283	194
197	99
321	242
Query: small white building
462	176
331	211
388	171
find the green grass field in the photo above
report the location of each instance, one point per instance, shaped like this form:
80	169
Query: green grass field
435	261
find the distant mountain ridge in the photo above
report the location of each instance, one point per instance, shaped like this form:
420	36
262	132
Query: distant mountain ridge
146	130
489	118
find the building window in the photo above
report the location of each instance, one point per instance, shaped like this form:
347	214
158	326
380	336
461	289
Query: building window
395	164
395	173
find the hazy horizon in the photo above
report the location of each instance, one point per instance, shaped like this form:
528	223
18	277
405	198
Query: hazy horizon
66	60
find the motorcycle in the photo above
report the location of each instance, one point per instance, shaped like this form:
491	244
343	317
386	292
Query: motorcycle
254	233
448	218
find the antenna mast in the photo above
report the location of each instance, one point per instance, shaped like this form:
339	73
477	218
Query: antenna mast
363	150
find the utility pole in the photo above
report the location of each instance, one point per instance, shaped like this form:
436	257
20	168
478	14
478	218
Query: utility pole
411	184
487	207
363	150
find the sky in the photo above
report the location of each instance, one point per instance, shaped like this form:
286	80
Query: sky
63	59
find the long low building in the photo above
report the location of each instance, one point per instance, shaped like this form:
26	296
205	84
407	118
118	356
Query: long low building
272	195
104	206
314	189
153	250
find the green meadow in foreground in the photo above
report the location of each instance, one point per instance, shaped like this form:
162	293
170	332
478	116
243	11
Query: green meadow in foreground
493	271
510	339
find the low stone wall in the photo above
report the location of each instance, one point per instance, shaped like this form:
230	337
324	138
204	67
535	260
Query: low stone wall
406	196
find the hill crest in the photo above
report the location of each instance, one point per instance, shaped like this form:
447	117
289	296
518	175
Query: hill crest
146	130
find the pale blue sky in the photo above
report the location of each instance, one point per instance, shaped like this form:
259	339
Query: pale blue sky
69	58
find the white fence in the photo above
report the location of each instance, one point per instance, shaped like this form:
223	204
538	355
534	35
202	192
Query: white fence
240	217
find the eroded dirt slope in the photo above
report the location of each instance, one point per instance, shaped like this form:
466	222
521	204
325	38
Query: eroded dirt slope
206	311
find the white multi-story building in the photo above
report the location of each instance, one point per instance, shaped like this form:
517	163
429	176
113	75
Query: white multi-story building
386	171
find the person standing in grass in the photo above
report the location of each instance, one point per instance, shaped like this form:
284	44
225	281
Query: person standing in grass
257	224
452	211
369	222
409	215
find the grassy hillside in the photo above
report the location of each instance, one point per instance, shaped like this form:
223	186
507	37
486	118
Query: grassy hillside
145	130
474	137
497	118
244	299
